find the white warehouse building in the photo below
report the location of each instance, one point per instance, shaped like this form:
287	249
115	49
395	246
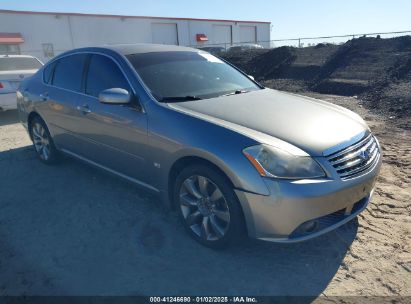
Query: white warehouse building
46	34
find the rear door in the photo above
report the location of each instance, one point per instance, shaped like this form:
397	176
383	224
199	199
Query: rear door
61	94
113	136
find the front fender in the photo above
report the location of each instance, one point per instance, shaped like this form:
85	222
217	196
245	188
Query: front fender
174	135
238	169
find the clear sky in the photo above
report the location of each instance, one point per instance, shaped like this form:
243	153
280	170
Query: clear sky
289	18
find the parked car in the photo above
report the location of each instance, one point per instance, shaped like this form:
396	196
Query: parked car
244	47
228	154
13	69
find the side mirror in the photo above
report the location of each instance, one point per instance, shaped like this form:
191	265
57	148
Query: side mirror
251	77
114	96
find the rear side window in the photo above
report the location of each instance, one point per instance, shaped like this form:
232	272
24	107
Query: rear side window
69	71
103	74
48	72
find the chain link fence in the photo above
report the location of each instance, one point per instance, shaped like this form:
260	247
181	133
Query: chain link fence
48	51
293	42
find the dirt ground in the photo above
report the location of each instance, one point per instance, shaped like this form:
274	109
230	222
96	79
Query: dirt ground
74	230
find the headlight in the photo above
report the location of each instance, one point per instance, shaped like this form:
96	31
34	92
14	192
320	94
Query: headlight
273	162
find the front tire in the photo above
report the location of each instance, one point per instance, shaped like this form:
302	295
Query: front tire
208	207
43	142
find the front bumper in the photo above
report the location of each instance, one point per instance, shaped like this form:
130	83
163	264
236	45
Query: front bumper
8	101
293	206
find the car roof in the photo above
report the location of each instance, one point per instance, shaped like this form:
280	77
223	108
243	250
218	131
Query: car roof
129	49
140	48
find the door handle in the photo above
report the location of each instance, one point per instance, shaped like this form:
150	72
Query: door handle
84	108
44	96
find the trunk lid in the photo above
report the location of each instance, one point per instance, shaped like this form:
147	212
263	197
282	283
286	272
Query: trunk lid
10	80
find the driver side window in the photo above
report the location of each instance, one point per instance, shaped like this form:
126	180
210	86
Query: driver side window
103	73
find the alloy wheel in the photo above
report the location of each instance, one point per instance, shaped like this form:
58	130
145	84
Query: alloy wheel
204	208
41	141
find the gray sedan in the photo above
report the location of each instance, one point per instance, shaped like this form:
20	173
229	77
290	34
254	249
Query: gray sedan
232	157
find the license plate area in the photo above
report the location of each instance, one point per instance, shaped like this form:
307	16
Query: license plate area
14	84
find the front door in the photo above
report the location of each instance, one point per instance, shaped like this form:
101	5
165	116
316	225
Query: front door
114	136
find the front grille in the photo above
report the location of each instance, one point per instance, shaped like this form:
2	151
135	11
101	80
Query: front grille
355	159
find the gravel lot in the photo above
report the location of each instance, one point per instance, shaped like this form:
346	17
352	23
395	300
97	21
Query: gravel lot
74	230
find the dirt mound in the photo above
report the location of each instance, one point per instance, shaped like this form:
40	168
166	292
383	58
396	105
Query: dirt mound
274	63
378	70
263	64
358	63
391	93
242	59
363	58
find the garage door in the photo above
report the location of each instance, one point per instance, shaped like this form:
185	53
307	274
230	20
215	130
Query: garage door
165	33
248	33
222	34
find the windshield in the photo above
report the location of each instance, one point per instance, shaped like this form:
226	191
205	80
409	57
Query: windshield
188	74
19	63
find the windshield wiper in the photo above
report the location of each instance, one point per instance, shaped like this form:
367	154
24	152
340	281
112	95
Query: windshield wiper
236	92
179	98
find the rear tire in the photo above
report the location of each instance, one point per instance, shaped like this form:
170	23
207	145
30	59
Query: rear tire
208	207
43	142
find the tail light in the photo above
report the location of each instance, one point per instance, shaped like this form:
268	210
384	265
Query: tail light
1	85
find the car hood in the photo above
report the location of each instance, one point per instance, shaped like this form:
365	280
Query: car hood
307	123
